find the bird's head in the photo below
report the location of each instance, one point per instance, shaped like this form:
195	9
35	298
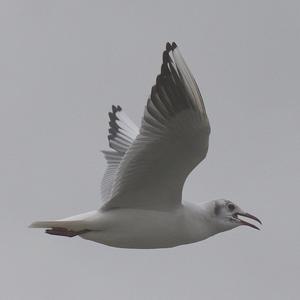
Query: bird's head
226	214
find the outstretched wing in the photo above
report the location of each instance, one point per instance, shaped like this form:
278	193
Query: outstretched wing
173	140
122	133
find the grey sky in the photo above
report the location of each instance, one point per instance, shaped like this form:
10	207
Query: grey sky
62	65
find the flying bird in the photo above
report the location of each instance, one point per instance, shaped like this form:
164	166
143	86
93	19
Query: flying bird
146	170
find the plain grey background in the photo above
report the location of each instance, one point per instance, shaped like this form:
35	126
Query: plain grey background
62	65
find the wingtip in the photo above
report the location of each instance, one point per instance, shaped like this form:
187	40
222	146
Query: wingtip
171	46
115	108
174	45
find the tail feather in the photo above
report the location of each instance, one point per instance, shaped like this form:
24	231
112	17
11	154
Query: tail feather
62	228
70	225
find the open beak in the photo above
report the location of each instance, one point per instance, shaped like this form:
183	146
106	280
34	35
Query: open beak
242	222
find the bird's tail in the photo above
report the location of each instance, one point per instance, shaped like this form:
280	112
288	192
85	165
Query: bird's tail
68	228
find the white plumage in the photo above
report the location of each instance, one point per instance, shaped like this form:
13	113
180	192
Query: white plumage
146	170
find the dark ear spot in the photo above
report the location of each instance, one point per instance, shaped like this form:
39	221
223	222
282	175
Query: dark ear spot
217	208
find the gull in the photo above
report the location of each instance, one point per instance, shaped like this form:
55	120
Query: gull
146	171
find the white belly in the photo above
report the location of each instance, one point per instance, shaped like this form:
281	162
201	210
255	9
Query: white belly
145	229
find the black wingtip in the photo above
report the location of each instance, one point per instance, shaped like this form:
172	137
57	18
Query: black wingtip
171	47
113	114
168	47
115	109
114	127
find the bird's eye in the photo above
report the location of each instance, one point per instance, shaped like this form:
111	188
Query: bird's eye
231	206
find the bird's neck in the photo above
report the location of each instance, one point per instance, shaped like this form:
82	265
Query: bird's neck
202	219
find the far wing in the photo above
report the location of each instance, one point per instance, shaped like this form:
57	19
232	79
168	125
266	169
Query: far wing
172	141
122	133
